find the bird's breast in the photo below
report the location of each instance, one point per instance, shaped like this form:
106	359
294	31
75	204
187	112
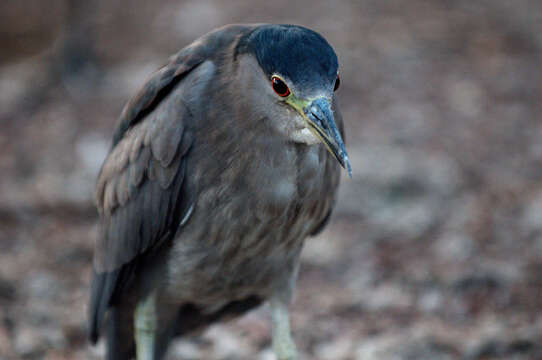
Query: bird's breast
249	226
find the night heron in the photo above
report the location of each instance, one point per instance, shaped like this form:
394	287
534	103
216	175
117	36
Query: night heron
220	167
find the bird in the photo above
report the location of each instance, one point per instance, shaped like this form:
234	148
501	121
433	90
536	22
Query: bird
220	167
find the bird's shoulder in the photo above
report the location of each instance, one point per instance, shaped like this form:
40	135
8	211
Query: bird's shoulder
208	47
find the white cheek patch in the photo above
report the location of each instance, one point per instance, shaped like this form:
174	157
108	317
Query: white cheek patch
297	129
304	136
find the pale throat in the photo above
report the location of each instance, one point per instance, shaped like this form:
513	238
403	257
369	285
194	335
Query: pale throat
299	131
304	136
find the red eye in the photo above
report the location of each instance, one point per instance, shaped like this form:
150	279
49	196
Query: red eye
280	87
337	83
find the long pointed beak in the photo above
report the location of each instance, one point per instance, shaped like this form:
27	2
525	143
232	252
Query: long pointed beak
322	123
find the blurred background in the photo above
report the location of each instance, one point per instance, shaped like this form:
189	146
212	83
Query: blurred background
435	247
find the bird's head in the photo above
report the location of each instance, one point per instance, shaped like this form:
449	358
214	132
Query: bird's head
291	74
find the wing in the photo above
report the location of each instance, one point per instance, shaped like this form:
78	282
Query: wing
141	194
140	198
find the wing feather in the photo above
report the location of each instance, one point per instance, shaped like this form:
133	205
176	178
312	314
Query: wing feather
140	192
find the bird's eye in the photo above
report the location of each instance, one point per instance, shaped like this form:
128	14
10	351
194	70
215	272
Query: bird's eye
337	83
280	86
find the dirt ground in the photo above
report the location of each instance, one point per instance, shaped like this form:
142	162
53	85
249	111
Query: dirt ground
435	248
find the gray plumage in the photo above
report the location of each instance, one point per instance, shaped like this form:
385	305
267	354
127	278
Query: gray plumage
210	189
